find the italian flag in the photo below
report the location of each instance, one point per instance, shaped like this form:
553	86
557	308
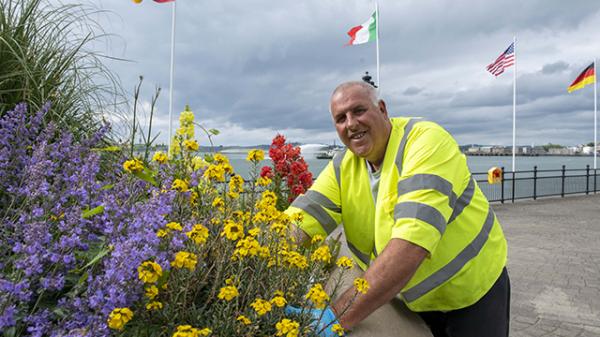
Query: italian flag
364	33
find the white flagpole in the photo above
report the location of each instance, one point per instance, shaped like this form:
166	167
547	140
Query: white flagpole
173	16
514	147
595	116
377	42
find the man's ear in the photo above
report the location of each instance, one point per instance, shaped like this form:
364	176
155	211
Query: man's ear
382	107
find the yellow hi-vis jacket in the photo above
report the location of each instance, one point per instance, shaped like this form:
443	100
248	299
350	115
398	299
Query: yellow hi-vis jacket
426	196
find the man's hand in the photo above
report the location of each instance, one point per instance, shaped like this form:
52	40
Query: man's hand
387	275
323	320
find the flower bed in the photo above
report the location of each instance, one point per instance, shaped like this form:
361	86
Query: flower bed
172	247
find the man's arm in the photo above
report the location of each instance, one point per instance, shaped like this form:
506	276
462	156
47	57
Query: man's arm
388	274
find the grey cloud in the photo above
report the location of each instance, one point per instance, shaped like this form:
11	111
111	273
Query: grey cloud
555	67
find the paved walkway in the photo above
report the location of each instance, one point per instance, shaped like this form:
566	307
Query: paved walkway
554	265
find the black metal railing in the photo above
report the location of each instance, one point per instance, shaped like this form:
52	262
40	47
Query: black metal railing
533	184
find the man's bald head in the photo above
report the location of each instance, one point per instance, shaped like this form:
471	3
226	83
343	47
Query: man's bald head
368	89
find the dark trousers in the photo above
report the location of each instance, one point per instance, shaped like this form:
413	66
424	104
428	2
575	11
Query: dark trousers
489	317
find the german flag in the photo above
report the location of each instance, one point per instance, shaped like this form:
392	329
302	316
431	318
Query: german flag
586	77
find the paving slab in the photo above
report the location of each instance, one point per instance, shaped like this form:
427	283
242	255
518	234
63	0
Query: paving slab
554	265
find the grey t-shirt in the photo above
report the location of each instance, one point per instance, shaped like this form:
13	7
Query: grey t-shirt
374	177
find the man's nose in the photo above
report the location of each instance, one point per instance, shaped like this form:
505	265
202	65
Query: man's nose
351	122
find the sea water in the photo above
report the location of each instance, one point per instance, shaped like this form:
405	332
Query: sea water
477	164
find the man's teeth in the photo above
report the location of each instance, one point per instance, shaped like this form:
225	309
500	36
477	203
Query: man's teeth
358	135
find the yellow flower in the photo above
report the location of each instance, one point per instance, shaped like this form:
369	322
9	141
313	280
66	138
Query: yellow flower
218	202
246	247
149	272
133	165
204	332
361	285
186	117
198	234
287	327
318	296
296	259
298	217
193	198
261	306
345	262
256	155
278	301
151	292
254	232
185	260
227	293
215	173
161	233
160	157
220	158
191	145
189	331
268	198
317	238
155	305
321	254
263	181
264	252
244	320
233	230
278	227
233	195
119	317
179	185
176	226
337	328
236	184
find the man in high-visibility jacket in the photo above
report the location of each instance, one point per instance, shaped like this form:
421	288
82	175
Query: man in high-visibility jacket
414	219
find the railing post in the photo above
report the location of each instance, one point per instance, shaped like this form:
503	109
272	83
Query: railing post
587	179
595	175
513	187
562	184
502	187
535	182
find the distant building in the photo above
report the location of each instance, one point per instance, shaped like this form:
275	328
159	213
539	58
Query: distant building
500	150
473	149
561	151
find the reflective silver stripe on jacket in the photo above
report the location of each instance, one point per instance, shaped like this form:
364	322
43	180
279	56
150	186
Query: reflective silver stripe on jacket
454	266
322	200
366	259
337	164
402	146
464	200
423	212
427	182
316	211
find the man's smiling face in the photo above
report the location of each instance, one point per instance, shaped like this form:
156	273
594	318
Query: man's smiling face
362	122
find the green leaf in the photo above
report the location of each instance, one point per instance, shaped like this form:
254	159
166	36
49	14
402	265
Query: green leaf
209	158
102	253
10	332
91	212
108	149
146	175
214	131
107	187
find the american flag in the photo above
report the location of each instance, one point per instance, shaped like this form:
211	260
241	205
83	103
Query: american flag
503	61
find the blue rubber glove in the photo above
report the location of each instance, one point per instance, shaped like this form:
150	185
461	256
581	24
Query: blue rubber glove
323	319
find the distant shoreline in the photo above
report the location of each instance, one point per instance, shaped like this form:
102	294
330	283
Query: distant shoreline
525	155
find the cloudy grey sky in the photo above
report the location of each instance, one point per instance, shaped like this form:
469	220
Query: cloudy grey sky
253	68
